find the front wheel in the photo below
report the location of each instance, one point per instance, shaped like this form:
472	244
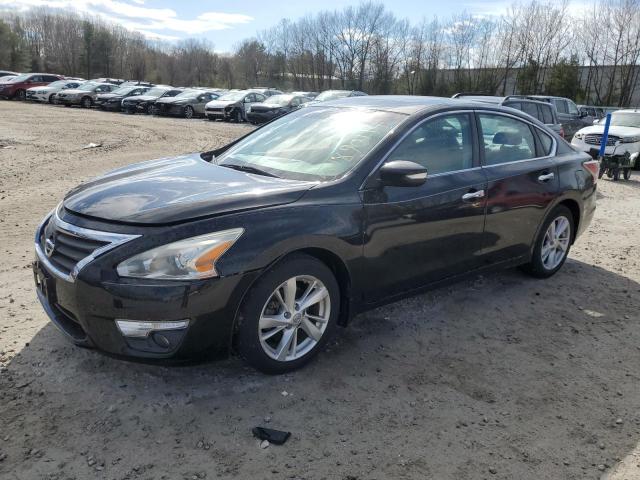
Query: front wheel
52	98
21	95
288	315
553	243
86	102
188	112
626	173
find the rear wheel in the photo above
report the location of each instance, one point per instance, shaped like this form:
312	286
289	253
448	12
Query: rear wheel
553	244
288	315
21	95
626	173
188	111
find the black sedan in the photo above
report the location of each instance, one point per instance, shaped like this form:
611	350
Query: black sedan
144	103
113	100
274	107
267	245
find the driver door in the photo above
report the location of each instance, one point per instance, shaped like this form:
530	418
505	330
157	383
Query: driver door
419	235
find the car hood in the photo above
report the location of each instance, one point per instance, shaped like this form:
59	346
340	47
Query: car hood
141	98
175	99
613	130
108	96
75	91
175	190
46	89
219	103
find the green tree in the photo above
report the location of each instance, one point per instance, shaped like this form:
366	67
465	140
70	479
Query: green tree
13	55
564	79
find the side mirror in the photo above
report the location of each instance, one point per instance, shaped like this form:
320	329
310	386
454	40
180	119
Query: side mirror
403	173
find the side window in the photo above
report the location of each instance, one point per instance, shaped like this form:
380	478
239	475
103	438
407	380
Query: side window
259	98
561	105
295	102
50	78
546	114
546	141
531	109
506	139
35	78
444	144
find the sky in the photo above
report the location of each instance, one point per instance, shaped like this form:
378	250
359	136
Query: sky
225	22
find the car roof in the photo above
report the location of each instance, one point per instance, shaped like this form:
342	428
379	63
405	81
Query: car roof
407	104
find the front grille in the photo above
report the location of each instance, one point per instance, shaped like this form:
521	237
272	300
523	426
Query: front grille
596	139
215	110
68	248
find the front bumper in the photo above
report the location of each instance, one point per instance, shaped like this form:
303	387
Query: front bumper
620	149
85	308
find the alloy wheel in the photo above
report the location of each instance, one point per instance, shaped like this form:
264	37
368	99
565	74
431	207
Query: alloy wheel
188	112
556	242
294	318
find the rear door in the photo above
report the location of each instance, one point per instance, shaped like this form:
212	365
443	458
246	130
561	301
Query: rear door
522	181
418	235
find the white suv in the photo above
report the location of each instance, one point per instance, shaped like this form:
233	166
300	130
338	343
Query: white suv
624	135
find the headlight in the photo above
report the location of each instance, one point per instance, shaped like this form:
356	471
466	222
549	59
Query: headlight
578	136
631	139
189	259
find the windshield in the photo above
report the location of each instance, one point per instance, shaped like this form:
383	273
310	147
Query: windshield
7	78
188	94
626	119
20	78
123	90
313	143
278	100
332	95
156	92
88	86
233	96
59	83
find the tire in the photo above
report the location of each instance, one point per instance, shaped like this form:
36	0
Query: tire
237	116
626	173
540	266
152	110
601	172
86	102
52	98
260	341
188	112
609	172
616	174
21	95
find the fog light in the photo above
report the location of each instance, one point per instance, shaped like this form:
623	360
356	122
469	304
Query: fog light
134	328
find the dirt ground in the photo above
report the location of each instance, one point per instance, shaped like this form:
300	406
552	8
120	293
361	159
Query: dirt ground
500	376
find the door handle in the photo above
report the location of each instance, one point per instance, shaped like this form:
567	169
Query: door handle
471	196
545	177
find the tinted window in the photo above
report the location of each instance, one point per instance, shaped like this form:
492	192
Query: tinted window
546	141
561	105
506	139
546	114
444	144
50	78
36	78
531	109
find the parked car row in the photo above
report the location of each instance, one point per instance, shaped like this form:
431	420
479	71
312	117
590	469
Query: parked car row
256	105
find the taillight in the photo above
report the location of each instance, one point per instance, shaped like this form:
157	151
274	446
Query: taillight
562	132
594	168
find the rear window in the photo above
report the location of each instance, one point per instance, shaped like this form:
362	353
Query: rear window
531	109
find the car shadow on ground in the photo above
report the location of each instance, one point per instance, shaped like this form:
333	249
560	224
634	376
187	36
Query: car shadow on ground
500	376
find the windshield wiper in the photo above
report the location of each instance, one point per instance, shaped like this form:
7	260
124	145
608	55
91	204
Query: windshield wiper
248	169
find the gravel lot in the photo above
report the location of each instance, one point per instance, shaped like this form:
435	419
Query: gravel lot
500	376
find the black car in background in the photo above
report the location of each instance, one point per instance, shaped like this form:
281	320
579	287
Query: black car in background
267	244
273	107
113	100
143	103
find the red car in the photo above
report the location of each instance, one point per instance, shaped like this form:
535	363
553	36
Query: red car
17	87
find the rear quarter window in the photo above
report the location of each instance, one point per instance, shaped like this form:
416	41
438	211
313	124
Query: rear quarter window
546	142
546	114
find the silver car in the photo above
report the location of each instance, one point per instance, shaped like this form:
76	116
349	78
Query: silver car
85	95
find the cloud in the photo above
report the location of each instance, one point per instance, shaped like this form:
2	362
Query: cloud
134	15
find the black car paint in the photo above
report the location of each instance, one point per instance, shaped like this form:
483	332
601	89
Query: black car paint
356	227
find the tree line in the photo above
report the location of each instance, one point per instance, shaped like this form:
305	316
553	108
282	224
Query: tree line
591	56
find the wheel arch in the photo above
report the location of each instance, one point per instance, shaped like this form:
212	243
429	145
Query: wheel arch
574	207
